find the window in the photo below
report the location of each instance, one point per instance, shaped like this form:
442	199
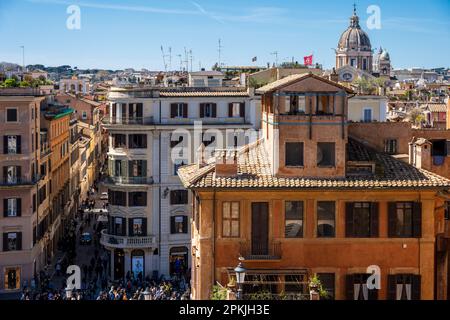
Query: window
178	224
11	115
405	219
12	241
138	168
119	140
294	284
294	154
325	219
178	163
12	278
361	219
390	146
293	226
208	110
328	284
447	210
367	115
117	198
357	288
42	194
236	110
296	104
137	199
84	115
12	207
230	219
178	197
137	141
325	154
179	110
119	226
138	227
11	174
404	287
12	144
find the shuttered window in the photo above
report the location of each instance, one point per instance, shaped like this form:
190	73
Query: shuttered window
178	197
208	110
357	289
404	287
178	110
178	224
404	219
230	219
361	219
12	241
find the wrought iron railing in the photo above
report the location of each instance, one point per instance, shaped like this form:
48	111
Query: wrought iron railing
260	251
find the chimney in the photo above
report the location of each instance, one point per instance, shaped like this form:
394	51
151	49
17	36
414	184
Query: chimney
201	156
226	163
334	76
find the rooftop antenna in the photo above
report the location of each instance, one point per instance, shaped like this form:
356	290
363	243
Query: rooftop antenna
191	57
170	58
23	58
275	53
181	62
164	59
219	64
186	60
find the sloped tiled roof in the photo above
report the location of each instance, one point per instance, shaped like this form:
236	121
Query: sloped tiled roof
254	172
435	107
169	94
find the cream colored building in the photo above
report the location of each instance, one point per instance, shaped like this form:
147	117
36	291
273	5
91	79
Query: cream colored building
367	108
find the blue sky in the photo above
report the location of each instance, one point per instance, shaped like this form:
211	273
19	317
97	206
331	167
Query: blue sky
118	34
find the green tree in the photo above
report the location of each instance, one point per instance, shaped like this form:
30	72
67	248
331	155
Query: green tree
24	84
219	292
10	83
416	116
363	85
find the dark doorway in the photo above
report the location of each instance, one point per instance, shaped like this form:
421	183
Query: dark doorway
260	228
118	264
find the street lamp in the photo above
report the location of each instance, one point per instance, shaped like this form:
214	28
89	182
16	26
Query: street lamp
240	277
146	294
68	293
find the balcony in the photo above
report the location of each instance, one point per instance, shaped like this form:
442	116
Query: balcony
257	251
123	242
128	180
127	120
19	181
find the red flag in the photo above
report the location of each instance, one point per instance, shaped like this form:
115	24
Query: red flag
308	60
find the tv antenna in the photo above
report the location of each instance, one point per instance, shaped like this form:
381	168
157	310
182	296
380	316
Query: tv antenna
219	64
275	53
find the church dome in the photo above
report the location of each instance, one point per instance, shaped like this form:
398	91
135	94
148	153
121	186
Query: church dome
354	38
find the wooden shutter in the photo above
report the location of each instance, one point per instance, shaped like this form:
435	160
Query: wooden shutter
5	207
214	110
172	225
392	287
144	141
417	219
5	144
139	110
242	110
392	208
349	219
374	220
5	242
19	144
144	226
19	241
19	206
230	110
349	289
185	110
5	174
19	173
415	287
173	110
130	227
202	110
184	196
185	224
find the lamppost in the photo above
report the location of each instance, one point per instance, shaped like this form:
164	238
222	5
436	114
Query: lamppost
240	277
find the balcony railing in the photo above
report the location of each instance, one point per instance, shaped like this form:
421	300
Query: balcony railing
128	180
128	120
17	181
258	251
126	242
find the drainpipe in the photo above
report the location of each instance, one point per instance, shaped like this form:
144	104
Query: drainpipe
159	188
